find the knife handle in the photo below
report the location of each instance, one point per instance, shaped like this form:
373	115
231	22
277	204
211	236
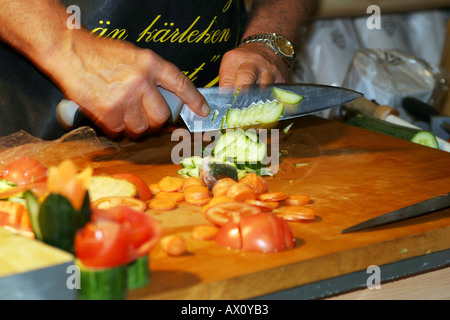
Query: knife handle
69	113
364	105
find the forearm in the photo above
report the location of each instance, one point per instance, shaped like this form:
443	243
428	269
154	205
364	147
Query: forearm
284	17
37	29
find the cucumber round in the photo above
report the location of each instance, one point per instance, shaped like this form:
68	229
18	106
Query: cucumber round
263	112
286	96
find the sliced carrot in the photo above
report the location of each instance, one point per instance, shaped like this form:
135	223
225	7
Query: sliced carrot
175	196
196	193
204	232
297	213
155	188
241	192
192	181
257	183
171	183
162	204
216	200
174	245
25	221
263	205
221	187
199	202
15	211
273	196
297	200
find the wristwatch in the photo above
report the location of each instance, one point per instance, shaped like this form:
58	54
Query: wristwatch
279	44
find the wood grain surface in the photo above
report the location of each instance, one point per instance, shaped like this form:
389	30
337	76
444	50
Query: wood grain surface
351	175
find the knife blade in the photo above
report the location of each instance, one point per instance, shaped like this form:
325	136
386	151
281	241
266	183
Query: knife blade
415	210
316	98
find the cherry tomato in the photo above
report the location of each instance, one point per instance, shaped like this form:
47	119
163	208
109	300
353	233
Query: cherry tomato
262	232
104	244
25	170
143	190
144	230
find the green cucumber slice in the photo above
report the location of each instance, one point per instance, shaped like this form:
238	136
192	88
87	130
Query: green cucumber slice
102	283
425	138
286	96
263	112
138	273
33	207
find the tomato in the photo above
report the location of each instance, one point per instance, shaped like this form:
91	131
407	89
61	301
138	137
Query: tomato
221	213
110	202
143	190
104	244
144	230
25	170
262	232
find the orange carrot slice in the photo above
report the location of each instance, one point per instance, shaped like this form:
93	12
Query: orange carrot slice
170	183
199	202
192	181
175	196
257	183
216	200
162	204
297	200
204	232
241	192
174	245
273	196
196	192
297	213
221	187
263	205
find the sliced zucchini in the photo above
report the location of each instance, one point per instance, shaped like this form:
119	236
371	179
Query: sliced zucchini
138	273
286	96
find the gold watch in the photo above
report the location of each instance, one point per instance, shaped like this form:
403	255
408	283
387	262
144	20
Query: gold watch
279	44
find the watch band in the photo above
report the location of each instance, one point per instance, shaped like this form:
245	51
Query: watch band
286	53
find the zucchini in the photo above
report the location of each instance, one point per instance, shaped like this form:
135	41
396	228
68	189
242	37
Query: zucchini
363	120
262	112
222	170
102	283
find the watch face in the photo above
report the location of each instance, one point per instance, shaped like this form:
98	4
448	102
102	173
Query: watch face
285	46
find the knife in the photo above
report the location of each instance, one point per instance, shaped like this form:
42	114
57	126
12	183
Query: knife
415	210
316	98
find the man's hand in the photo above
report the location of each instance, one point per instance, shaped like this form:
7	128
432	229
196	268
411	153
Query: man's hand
252	63
115	83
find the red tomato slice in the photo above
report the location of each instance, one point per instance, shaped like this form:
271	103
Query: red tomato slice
221	213
111	202
262	232
24	171
229	236
265	232
143	190
104	244
144	230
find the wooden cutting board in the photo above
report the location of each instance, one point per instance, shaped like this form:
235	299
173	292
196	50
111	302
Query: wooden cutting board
351	175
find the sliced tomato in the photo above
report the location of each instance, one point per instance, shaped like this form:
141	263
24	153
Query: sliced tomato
262	232
144	230
25	170
104	244
221	213
143	190
111	202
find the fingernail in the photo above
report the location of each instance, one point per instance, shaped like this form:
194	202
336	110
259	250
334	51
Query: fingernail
205	110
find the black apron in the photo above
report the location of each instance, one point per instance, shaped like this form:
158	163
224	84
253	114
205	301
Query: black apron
192	34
